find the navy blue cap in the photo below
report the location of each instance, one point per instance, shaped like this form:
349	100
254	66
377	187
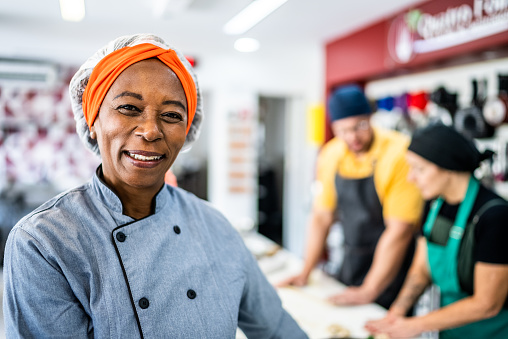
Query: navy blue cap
348	101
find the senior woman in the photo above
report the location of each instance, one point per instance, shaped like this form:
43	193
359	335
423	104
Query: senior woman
463	250
124	255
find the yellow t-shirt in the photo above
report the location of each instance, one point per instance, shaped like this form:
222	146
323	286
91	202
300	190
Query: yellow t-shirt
399	198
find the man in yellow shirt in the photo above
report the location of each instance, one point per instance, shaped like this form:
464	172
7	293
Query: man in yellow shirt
362	176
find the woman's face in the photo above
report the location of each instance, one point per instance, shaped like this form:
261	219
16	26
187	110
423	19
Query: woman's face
141	125
431	180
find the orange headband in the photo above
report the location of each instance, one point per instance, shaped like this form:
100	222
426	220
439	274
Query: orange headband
110	67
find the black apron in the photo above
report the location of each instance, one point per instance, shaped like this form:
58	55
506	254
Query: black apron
361	216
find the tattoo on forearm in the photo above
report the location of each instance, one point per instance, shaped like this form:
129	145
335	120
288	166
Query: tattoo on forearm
410	292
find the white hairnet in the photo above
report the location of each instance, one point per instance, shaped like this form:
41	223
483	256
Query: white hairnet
80	80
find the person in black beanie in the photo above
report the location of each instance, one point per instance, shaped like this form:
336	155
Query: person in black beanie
447	148
362	184
463	247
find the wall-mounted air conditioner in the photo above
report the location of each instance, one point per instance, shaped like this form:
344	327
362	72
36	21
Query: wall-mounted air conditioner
27	72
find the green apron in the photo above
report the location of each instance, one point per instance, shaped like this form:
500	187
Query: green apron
443	269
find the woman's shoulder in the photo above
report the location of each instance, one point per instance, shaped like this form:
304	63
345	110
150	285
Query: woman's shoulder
331	153
490	215
392	138
334	146
490	203
61	209
389	148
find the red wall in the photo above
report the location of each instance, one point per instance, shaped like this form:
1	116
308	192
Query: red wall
356	56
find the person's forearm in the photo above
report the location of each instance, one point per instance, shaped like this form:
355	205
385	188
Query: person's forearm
388	257
460	313
417	280
414	286
491	281
317	235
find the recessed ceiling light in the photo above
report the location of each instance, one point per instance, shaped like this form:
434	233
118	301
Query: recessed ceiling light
72	10
256	11
247	45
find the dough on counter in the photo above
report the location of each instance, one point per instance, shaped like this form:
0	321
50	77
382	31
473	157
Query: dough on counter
338	331
379	336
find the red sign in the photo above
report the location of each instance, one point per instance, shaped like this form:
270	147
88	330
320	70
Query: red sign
433	31
420	31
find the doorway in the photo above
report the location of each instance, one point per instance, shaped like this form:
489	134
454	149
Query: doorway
271	154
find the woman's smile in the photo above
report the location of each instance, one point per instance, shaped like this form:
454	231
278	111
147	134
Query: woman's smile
144	159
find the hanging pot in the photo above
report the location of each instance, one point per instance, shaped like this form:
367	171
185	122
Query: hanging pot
495	111
438	113
470	121
445	99
442	106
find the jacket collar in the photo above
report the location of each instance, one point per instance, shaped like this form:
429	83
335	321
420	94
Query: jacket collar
112	202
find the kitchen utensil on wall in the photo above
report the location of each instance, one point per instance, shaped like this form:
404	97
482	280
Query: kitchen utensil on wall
386	116
469	120
442	106
400	105
495	111
418	100
386	103
438	113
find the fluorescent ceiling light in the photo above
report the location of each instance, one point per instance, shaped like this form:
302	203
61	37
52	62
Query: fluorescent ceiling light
246	45
256	11
72	10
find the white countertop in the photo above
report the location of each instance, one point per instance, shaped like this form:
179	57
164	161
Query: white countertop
308	305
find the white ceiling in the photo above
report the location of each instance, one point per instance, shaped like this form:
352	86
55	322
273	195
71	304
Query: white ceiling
34	28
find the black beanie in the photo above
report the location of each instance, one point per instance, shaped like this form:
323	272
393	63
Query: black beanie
447	148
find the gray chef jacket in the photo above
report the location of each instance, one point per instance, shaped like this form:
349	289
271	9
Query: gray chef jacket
76	267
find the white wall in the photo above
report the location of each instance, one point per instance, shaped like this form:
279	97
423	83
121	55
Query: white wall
298	77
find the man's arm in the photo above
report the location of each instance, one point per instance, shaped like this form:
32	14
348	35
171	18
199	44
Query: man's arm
388	257
321	221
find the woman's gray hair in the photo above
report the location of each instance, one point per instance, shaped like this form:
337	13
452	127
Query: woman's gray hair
80	80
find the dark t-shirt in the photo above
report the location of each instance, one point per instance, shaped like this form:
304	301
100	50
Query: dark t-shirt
491	232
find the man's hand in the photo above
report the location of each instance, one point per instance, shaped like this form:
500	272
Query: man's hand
354	296
297	280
